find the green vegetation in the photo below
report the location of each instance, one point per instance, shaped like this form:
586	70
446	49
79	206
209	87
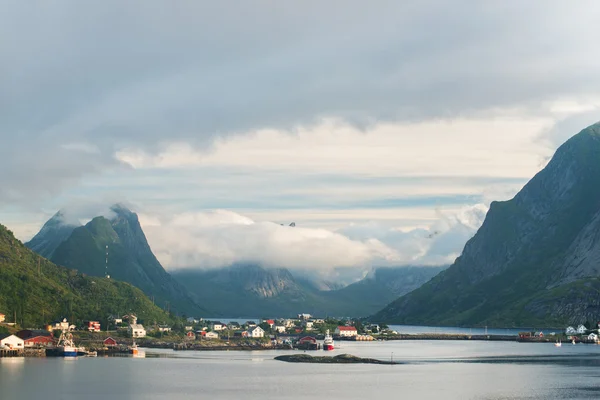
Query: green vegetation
39	291
130	258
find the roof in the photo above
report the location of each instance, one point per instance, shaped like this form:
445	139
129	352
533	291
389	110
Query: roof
7	335
270	321
136	326
31	333
255	328
346	328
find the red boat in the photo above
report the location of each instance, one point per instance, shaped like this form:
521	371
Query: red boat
328	341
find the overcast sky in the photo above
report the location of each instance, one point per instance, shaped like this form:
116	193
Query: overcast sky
382	128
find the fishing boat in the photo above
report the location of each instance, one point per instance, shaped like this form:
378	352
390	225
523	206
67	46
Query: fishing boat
328	341
65	346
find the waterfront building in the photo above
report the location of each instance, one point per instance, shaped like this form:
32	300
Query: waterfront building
346	331
11	342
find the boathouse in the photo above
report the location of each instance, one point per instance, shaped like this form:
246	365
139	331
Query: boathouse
11	342
109	342
35	338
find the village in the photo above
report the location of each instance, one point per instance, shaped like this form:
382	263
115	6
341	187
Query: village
120	332
304	332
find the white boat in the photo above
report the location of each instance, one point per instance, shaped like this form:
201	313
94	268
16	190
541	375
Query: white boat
65	346
558	344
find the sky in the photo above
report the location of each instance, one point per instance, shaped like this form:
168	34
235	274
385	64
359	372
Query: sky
383	129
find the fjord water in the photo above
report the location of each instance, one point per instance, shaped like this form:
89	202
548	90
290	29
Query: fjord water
432	370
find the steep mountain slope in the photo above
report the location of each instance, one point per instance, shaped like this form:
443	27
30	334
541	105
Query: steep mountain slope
385	284
53	233
130	258
535	258
247	290
38	291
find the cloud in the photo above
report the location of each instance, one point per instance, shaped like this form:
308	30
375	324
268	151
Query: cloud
81	83
221	238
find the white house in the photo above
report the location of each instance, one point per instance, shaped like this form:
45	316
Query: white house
346	331
218	326
192	320
164	328
136	330
211	335
11	342
63	325
308	325
189	328
593	337
570	330
256	332
279	328
581	329
2	317
289	323
304	316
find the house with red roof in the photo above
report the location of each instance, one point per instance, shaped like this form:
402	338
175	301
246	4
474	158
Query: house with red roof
35	338
110	342
346	331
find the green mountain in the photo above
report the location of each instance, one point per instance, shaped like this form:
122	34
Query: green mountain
252	291
130	258
38	291
534	261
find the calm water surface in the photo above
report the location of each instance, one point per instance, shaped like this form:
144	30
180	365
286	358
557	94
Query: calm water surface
432	370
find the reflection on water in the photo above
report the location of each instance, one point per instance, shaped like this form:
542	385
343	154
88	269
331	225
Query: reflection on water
434	369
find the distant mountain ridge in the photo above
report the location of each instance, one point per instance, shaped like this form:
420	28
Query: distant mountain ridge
536	258
130	258
243	290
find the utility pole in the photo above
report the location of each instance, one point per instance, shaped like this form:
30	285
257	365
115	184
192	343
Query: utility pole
106	275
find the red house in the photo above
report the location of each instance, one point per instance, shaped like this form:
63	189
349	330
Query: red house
93	326
307	340
190	335
34	338
39	341
110	342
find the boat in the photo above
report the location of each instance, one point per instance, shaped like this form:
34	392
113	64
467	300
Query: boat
573	342
133	349
558	344
328	341
65	346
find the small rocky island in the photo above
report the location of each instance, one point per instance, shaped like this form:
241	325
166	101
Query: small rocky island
341	359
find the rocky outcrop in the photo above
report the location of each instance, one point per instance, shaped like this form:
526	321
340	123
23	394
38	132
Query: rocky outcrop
341	359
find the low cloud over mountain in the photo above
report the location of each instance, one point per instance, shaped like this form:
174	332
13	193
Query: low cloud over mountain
220	238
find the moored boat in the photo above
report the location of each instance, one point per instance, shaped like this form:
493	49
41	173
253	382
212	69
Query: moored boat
65	346
328	341
133	349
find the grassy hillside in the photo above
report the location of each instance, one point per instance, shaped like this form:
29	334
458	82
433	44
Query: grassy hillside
39	291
